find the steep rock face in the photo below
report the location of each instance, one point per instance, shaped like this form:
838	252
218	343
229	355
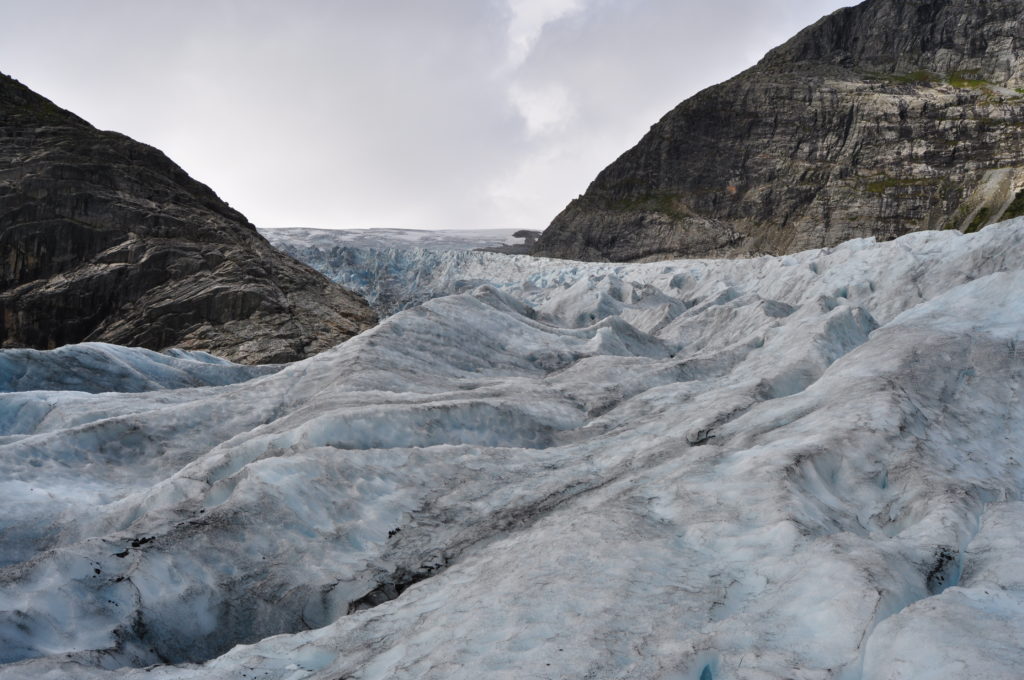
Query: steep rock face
103	238
880	119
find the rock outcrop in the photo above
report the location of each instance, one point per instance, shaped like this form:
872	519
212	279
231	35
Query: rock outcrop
880	119
103	238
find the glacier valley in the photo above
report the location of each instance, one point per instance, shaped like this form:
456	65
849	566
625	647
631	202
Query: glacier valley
805	466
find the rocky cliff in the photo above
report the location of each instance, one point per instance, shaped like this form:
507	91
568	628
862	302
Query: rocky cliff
880	119
104	238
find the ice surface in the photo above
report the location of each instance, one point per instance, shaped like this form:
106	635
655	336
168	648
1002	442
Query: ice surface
395	269
796	467
101	367
430	239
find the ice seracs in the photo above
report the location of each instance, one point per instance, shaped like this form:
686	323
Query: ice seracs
395	269
804	466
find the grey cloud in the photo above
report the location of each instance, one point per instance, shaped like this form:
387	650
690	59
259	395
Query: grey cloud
383	113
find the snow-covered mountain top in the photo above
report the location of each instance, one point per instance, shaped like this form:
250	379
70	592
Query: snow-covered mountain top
430	239
796	467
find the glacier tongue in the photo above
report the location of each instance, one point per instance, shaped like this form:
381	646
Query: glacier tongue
396	271
795	467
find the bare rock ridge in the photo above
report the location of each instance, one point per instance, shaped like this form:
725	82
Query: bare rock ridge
878	120
104	238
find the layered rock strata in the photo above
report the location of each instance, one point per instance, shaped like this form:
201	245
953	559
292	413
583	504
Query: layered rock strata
888	117
103	238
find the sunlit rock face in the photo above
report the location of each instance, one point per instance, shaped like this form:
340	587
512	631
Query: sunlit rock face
804	466
106	239
880	119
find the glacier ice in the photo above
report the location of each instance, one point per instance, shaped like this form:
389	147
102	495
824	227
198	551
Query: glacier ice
428	239
784	467
395	269
102	367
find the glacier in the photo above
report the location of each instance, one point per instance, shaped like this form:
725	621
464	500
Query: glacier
381	238
805	466
102	367
395	269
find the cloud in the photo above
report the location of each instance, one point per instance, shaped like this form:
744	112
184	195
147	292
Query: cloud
528	18
545	110
455	114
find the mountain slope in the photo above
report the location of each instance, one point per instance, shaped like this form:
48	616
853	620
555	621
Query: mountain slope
106	239
880	119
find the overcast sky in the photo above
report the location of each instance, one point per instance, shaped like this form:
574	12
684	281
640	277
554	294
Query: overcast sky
386	113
